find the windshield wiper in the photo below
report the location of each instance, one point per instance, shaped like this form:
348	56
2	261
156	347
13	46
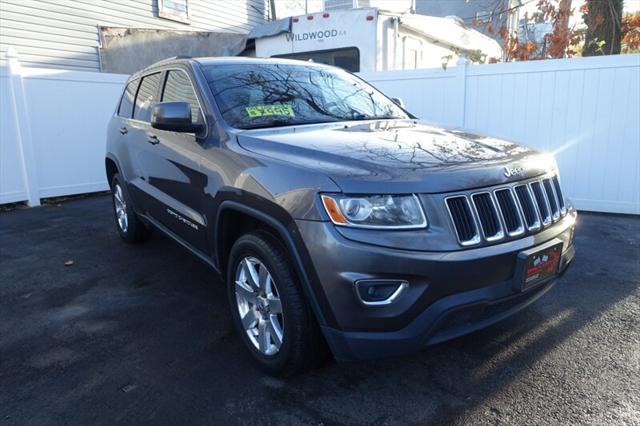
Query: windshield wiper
282	123
363	117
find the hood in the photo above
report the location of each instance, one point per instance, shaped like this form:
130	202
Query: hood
398	156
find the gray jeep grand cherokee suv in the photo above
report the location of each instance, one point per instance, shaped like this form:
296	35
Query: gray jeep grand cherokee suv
336	217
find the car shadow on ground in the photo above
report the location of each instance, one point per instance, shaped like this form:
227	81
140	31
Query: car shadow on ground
142	334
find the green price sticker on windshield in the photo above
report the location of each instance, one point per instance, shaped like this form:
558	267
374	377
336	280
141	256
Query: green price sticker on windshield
270	110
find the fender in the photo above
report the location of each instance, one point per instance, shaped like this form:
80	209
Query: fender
315	299
110	156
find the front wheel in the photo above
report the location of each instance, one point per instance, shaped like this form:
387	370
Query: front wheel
268	308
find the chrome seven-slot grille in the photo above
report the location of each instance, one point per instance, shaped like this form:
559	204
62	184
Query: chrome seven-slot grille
511	211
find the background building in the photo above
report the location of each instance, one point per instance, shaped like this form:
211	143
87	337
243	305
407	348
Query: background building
69	34
497	13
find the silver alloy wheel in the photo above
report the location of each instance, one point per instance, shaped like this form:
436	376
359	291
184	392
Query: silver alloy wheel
259	305
121	208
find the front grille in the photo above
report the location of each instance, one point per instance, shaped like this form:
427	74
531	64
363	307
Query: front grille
507	211
463	220
525	199
487	215
541	202
556	186
510	212
551	196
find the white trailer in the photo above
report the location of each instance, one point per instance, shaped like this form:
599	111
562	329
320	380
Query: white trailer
370	39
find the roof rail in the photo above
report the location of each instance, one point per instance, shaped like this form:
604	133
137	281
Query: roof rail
173	58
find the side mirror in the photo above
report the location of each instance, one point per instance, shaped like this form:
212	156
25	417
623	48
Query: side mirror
398	101
174	117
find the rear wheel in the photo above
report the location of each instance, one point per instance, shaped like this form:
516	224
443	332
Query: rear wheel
268	308
130	227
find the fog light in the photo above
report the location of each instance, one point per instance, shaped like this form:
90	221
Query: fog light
379	292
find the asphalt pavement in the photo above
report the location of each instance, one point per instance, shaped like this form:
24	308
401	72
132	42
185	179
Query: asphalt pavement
142	334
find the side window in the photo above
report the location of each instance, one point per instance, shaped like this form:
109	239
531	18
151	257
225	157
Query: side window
178	88
126	103
146	98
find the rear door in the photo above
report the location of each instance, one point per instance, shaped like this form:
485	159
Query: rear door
138	143
173	183
119	131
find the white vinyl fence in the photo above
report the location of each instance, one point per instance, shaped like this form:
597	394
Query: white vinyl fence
587	111
52	131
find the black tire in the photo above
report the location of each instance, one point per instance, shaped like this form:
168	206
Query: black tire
135	231
302	346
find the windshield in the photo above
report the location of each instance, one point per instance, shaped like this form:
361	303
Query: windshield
253	96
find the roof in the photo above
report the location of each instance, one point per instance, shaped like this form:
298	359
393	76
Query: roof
252	61
452	32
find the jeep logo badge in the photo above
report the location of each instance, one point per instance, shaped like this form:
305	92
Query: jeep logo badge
513	171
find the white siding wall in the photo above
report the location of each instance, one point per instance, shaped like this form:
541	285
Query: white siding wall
64	33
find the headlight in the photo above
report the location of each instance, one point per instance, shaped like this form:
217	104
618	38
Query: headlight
375	211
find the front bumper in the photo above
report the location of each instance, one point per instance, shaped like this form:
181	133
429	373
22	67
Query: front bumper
448	318
450	293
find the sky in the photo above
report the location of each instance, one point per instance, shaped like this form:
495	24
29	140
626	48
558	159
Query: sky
631	5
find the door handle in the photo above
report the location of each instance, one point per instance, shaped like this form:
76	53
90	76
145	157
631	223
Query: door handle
153	140
123	130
